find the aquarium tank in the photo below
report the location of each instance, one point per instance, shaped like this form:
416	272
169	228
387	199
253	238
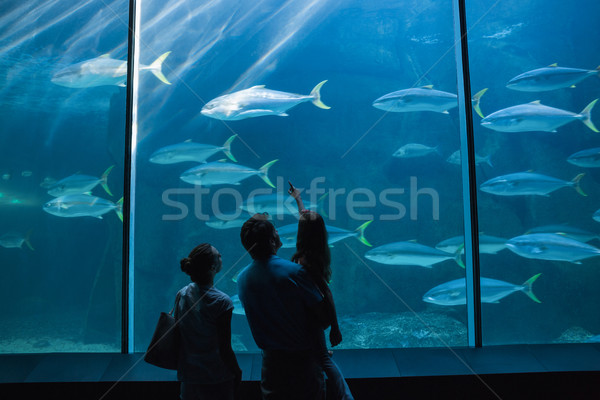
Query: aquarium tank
126	142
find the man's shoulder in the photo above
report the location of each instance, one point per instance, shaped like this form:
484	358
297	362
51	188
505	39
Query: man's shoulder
283	266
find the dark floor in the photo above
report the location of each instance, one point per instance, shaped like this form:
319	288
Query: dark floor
570	371
530	386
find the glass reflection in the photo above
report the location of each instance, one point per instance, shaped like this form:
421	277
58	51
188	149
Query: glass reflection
540	194
62	166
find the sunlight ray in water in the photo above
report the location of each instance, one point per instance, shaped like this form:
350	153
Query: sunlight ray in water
31	29
302	18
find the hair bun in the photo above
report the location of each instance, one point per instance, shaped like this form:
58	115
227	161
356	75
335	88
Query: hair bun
186	265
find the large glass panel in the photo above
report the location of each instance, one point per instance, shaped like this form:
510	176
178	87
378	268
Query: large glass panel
539	191
388	166
63	123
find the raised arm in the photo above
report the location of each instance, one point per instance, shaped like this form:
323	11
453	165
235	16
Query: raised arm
295	193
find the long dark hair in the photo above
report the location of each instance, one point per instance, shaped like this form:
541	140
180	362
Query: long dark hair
311	244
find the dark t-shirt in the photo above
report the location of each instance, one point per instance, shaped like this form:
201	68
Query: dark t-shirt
278	297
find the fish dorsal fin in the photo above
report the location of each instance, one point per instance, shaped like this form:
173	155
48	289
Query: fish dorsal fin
258	87
107	55
536	102
427	87
553	65
187	141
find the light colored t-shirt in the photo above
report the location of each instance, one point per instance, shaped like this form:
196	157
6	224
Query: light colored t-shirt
199	358
278	298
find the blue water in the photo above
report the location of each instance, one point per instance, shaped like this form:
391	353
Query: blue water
364	51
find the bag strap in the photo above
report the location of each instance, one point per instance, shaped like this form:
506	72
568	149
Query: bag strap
175	305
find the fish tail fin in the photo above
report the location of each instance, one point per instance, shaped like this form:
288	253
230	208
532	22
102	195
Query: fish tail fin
488	160
316	93
361	233
527	288
263	172
476	100
27	242
458	256
576	186
119	209
104	180
320	208
156	68
587	116
227	148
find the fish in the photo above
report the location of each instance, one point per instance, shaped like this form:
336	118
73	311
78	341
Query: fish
26	173
190	151
566	230
410	253
238	307
536	117
589	158
424	98
454	293
220	173
289	233
487	244
551	77
412	150
454	158
82	205
104	71
528	183
226	222
47	182
596	216
79	183
258	101
335	234
274	204
15	240
551	246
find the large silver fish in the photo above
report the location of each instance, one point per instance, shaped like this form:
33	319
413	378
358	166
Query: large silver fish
528	183
82	205
15	240
535	117
103	71
424	98
289	233
454	293
412	150
410	253
190	151
258	101
79	183
589	158
551	246
551	77
223	173
566	230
